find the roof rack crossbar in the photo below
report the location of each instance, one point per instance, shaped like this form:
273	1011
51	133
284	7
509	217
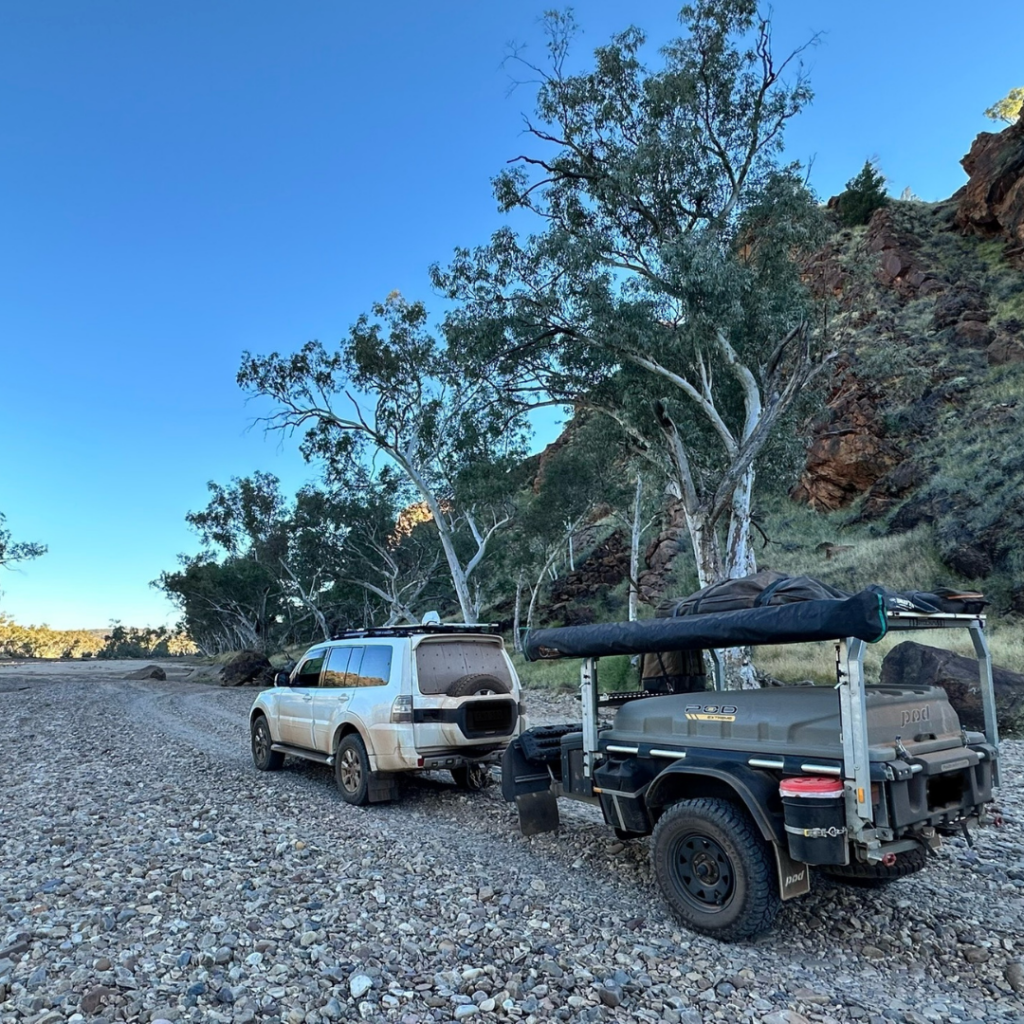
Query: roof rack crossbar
427	628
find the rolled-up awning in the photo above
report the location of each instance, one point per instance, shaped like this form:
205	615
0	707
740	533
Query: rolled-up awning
862	616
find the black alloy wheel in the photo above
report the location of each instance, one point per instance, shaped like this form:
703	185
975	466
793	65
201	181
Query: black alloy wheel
716	869
263	757
352	770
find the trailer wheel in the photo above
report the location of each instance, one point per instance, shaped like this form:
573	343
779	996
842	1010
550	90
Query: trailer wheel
715	869
874	876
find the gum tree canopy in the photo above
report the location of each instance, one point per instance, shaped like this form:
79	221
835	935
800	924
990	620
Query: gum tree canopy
663	287
390	392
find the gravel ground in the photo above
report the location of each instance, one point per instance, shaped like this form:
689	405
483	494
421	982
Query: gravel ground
148	872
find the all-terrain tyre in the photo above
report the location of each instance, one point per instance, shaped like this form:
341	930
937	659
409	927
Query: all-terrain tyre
473	777
265	759
476	684
352	770
715	869
874	876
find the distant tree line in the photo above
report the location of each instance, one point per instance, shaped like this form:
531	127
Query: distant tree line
18	641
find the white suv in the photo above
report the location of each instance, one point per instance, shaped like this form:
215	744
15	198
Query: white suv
404	698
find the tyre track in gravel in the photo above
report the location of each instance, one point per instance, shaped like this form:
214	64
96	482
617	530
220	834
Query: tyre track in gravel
184	712
161	772
213	723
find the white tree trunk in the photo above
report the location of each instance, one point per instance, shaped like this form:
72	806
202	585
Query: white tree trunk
517	640
740	559
458	574
634	551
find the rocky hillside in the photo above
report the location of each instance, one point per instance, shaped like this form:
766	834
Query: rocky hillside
925	420
923	428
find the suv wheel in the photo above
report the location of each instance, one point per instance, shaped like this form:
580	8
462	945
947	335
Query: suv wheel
265	759
352	770
715	869
476	684
472	777
874	876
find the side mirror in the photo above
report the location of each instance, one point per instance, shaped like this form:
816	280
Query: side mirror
282	678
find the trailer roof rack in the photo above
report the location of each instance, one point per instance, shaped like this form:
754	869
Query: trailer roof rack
425	628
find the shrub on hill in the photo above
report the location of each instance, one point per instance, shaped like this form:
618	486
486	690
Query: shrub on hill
864	194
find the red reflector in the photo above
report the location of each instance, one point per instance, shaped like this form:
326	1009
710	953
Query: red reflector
812	786
419	762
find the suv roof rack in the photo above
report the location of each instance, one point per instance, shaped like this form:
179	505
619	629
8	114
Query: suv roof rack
439	628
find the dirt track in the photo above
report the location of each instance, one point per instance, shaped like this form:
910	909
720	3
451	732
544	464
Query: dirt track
147	871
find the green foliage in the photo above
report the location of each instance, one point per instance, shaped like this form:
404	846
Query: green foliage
275	572
974	497
864	194
246	516
454	443
43	642
615	674
1008	108
663	290
228	605
16	551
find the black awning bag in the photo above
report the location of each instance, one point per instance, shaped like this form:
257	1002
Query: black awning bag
863	616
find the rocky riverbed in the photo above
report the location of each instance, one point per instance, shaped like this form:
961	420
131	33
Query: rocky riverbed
148	873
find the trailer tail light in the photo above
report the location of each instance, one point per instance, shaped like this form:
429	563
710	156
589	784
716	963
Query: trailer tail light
401	709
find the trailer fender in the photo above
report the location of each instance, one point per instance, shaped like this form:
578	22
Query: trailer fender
758	792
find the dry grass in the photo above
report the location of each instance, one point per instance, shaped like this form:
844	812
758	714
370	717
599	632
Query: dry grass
563	675
793	663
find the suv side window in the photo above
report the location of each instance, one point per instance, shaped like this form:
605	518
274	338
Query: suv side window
352	676
342	667
376	667
336	672
309	671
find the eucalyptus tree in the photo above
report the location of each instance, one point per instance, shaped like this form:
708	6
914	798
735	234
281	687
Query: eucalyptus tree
357	534
230	593
663	288
227	604
389	392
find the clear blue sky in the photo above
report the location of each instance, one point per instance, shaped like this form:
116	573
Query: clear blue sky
182	181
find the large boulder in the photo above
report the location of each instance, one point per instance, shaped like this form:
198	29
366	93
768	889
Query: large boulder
992	201
149	672
247	668
917	664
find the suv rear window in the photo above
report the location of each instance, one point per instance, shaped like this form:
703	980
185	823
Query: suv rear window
440	663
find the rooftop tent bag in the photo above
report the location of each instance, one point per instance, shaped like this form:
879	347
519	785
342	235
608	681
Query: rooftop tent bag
761	590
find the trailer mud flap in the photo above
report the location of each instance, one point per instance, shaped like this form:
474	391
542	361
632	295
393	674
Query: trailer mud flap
538	812
794	876
529	785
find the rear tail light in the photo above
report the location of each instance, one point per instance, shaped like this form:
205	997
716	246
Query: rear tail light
401	710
